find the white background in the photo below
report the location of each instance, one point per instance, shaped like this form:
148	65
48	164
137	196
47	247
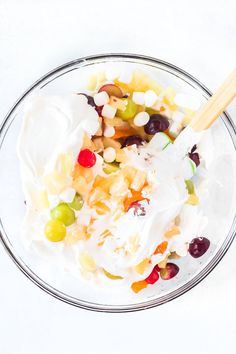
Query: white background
35	37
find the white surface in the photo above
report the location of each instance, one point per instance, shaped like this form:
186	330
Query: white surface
35	37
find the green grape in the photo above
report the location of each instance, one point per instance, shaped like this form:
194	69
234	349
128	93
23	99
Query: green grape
130	111
63	213
190	186
111	167
55	230
77	202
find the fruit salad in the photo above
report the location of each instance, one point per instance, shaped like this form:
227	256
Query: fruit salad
105	182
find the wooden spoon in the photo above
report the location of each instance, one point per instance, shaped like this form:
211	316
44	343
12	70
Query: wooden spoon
206	116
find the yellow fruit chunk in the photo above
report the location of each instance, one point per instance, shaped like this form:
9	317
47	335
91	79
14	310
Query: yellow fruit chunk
138	181
119	186
172	232
104	183
168	97
193	199
162	264
87	262
77	234
122	133
129	173
96	195
117	103
138	286
98	143
121	155
110	142
79	171
111	276
80	185
88	143
101	208
140	268
117	123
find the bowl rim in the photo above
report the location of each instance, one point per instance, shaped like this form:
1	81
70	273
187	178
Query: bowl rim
149	303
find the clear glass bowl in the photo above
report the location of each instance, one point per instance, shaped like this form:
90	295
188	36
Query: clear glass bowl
72	77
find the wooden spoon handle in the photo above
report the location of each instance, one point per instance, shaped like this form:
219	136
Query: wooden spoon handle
206	116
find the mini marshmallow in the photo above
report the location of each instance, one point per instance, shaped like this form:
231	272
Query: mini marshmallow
109	154
108	111
138	98
187	101
150	97
125	77
109	131
68	195
101	98
141	119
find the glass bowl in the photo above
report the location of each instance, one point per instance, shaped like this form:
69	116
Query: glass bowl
72	77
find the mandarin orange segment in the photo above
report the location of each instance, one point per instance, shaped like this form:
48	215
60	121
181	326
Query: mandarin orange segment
138	286
161	248
136	196
140	268
122	133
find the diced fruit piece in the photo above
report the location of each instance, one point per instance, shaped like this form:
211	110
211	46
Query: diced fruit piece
112	90
55	230
118	123
161	248
130	110
170	271
198	246
160	141
101	208
75	235
190	186
80	185
120	155
109	154
103	183
87	142
133	140
119	187
193	199
97	194
139	180
111	276
153	277
87	262
138	286
138	209
111	167
136	196
86	158
129	173
108	111
140	268
110	142
157	123
64	214
77	202
87	173
174	230
98	142
117	103
122	133
162	264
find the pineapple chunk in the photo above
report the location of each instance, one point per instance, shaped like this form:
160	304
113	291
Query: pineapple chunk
87	262
75	235
118	123
79	171
101	208
129	173
98	142
88	143
172	232
121	155
140	268
104	183
109	142
119	186
138	181
96	195
80	185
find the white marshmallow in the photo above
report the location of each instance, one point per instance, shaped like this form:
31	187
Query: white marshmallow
187	101
101	98
109	154
150	97
141	119
108	111
126	76
138	98
68	195
109	131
